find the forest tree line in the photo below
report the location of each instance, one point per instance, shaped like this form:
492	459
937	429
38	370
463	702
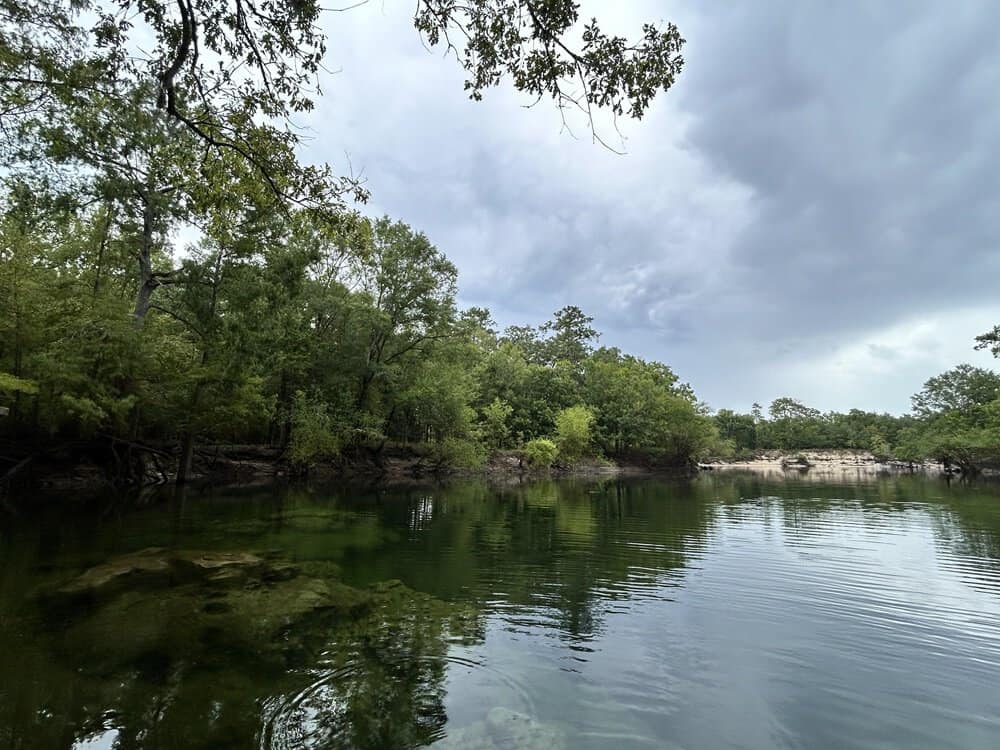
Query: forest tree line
280	331
955	420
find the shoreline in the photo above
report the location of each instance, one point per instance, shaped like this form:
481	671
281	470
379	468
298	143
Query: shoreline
154	467
823	461
256	465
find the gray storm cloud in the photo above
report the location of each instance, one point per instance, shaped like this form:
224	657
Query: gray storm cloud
811	211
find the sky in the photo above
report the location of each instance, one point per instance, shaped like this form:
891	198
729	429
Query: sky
811	211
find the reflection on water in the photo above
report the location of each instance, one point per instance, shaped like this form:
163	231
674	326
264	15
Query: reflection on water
730	611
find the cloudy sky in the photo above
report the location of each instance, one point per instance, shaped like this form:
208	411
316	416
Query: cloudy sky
811	211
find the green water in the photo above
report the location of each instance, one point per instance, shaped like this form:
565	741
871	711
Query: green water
731	611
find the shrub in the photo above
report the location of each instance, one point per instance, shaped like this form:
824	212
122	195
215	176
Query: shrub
457	452
495	428
573	435
541	453
879	447
313	438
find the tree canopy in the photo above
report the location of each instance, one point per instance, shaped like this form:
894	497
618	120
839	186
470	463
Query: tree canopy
233	72
272	329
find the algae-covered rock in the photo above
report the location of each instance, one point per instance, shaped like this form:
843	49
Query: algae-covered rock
319	569
229	610
156	567
149	633
361	663
213	561
151	562
261	612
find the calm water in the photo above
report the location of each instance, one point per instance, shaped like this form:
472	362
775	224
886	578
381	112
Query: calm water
730	611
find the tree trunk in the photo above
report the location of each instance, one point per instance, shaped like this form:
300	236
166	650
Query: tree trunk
147	281
187	443
102	248
284	412
186	457
366	381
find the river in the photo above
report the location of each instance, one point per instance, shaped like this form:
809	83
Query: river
734	610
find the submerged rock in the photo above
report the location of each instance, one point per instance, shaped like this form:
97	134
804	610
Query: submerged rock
199	624
156	566
192	605
185	647
151	562
504	729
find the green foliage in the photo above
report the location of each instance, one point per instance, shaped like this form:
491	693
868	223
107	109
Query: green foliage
535	391
227	81
908	447
953	441
789	408
527	42
569	336
10	385
266	308
794	426
361	315
640	406
567	339
494	427
313	438
990	340
879	445
540	453
740	430
126	126
960	389
958	420
573	434
955	421
85	411
459	453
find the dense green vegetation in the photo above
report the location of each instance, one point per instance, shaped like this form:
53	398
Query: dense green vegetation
282	331
791	425
955	420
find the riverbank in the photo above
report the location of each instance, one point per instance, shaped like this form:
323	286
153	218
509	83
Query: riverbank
120	464
823	461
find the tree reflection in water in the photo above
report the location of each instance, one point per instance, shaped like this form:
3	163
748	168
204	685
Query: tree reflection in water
316	643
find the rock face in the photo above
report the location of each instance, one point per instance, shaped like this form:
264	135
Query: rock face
504	729
795	462
822	461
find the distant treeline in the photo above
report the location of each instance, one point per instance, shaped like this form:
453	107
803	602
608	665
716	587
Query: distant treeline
955	419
